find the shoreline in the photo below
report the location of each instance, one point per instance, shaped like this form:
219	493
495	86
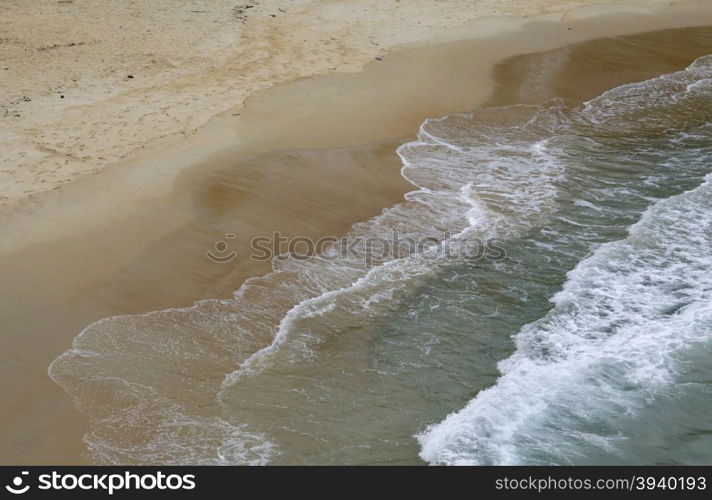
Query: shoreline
120	240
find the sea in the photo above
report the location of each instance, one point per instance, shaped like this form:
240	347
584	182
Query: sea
585	338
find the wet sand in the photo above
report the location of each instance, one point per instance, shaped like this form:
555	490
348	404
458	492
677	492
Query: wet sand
306	158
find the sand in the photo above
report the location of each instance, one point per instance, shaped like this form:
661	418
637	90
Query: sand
86	83
311	156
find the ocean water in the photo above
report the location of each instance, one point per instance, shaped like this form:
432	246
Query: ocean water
589	343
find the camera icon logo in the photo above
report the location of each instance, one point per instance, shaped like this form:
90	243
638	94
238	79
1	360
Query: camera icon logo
16	487
221	254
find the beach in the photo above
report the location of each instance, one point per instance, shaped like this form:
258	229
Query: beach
83	89
286	119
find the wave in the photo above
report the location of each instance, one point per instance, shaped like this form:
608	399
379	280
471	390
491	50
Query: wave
614	343
619	340
155	386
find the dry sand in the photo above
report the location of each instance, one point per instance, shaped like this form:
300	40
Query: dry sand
133	237
87	82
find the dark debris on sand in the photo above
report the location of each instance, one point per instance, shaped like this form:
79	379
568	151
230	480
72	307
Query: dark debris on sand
239	12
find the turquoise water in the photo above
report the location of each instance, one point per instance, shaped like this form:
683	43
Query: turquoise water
588	343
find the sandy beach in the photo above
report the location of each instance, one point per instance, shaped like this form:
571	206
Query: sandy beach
83	88
131	143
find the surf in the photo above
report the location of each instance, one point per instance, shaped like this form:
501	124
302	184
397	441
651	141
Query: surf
239	380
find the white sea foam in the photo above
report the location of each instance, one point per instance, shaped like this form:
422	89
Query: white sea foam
610	346
623	321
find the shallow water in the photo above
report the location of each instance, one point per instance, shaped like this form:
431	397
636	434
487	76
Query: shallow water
336	362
